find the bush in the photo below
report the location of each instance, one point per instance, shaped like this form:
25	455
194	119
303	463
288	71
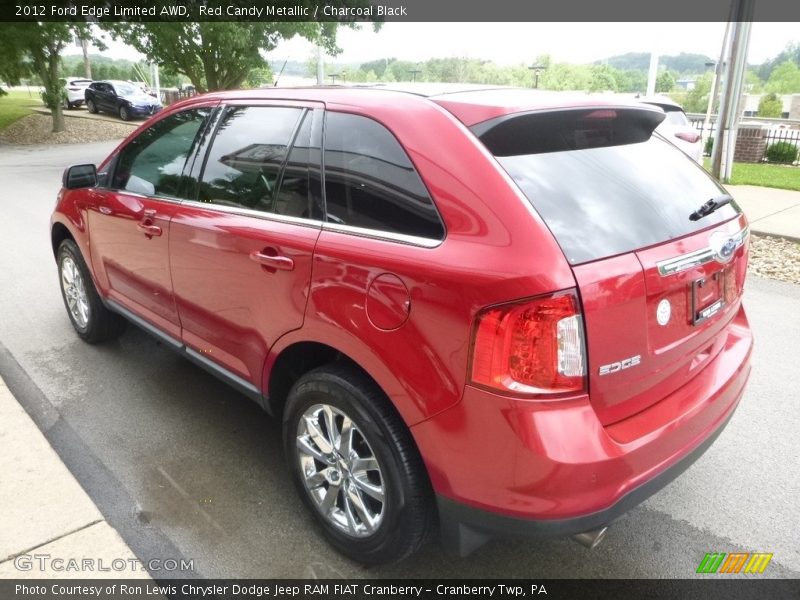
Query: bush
709	145
782	152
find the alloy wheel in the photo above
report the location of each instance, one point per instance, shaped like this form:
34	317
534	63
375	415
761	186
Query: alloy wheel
340	471
75	292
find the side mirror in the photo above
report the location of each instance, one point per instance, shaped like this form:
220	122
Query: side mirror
79	176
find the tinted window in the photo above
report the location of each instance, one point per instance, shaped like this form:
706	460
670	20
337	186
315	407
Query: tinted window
600	202
246	158
292	196
370	181
153	162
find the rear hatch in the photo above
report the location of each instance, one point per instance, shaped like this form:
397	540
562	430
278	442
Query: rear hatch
657	284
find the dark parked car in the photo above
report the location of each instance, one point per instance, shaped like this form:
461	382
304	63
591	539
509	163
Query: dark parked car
120	98
506	312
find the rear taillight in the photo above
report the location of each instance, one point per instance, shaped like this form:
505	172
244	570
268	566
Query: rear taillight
687	136
531	347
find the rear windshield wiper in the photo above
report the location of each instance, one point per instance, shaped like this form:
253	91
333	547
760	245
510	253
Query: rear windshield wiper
710	206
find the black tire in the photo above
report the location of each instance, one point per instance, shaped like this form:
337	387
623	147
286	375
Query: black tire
90	106
100	323
123	113
406	513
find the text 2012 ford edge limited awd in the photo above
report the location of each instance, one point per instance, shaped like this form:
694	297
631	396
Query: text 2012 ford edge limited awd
500	311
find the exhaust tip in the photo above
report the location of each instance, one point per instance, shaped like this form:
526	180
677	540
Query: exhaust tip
590	539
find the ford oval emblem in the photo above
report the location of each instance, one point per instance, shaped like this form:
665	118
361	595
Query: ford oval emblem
723	246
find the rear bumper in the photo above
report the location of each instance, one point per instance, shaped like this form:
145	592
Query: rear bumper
504	468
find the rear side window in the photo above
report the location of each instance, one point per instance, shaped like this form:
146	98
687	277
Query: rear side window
246	159
602	199
370	182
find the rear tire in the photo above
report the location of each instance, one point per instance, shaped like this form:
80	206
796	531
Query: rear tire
90	106
356	466
92	321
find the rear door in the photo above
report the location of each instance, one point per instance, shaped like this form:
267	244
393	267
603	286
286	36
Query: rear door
241	250
657	287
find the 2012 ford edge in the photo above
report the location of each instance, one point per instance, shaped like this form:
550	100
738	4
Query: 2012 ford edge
502	311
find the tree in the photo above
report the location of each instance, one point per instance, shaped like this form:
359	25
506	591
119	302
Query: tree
36	47
602	79
770	106
217	55
696	101
665	82
785	79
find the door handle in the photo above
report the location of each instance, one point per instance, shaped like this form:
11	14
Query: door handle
284	263
149	229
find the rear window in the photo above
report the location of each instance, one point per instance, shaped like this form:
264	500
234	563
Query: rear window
604	199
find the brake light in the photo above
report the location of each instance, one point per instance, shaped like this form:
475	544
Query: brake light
533	347
687	136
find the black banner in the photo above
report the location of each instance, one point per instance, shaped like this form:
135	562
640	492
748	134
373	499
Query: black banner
711	588
390	10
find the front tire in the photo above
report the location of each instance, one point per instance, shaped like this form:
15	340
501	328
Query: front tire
91	107
355	465
123	113
92	321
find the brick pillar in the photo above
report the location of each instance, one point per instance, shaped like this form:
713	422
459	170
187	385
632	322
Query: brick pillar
750	144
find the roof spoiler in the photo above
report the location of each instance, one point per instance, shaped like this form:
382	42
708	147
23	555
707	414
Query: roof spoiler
538	132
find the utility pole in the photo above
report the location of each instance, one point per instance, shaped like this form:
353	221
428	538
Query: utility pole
734	68
652	74
320	65
87	64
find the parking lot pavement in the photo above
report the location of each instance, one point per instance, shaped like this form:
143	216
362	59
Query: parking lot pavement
44	511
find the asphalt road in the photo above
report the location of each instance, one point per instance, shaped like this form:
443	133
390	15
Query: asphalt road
184	467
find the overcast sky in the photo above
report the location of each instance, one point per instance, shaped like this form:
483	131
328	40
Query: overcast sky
511	43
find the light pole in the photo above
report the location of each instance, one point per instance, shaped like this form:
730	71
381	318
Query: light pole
536	70
711	95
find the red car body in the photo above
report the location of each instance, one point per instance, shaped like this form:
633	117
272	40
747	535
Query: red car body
408	312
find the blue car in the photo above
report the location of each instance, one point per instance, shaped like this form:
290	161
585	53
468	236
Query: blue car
120	98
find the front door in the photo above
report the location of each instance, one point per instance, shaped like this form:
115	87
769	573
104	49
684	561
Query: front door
129	221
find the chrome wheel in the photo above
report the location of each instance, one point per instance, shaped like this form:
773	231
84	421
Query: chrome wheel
74	290
340	471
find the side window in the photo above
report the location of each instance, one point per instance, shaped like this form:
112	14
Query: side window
246	158
370	181
292	197
152	163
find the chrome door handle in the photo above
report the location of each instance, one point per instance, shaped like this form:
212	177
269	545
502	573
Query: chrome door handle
284	263
148	229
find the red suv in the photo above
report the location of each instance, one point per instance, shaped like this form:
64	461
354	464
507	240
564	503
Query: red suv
503	311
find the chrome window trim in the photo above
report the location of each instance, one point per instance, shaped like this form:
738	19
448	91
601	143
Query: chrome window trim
258	214
376	234
677	264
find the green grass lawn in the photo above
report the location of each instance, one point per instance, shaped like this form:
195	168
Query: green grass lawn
15	105
785	177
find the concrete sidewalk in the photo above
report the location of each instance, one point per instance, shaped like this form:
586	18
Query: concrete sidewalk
770	211
49	527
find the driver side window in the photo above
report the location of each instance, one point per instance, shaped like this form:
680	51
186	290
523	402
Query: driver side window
153	163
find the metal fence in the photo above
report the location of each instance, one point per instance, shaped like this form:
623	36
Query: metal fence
774	136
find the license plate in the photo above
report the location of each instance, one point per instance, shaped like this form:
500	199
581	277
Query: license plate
708	297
